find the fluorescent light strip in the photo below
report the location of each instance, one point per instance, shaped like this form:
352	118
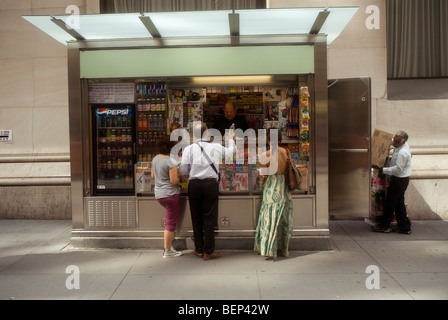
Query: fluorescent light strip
232	80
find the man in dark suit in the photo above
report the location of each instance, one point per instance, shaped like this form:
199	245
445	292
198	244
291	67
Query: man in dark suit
230	117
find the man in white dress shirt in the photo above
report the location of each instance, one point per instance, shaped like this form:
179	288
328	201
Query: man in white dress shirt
200	161
399	170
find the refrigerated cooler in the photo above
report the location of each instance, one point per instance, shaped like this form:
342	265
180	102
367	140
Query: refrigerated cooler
113	143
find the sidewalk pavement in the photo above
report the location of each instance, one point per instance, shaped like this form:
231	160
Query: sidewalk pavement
35	254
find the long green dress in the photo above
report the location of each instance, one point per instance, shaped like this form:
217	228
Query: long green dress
274	227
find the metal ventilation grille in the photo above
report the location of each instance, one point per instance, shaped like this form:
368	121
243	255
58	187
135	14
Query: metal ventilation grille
111	213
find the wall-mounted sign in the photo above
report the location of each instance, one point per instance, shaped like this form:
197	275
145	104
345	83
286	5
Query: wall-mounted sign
111	93
6	136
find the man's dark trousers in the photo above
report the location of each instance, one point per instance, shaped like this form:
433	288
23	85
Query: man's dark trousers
203	200
395	203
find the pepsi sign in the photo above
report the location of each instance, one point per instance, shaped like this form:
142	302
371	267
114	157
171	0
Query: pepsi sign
106	112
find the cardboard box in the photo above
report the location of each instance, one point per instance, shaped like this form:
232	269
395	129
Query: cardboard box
381	141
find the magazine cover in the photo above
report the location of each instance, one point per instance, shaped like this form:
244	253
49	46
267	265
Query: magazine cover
176	115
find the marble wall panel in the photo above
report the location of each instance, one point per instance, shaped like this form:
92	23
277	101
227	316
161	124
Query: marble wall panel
16	82
20	121
50	130
51	85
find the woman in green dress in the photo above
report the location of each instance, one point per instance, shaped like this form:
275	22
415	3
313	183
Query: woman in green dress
274	227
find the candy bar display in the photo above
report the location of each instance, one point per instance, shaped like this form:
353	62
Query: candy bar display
304	123
293	125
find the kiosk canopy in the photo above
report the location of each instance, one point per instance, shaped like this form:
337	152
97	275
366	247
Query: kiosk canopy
218	23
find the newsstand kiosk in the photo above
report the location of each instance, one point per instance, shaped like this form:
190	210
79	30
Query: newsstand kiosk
135	77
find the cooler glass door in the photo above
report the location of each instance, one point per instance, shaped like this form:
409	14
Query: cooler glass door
113	155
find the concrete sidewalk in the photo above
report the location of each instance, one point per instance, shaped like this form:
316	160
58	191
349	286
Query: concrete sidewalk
35	254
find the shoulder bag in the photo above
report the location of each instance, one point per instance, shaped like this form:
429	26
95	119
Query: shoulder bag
293	177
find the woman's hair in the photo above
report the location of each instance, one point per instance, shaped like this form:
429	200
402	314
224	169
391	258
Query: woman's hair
164	145
269	137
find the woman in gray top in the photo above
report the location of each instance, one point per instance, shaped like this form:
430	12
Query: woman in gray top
167	191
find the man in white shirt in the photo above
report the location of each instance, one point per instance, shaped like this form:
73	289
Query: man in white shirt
200	161
399	170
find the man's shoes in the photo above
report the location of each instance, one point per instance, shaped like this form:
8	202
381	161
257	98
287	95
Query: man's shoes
200	255
214	255
381	229
404	231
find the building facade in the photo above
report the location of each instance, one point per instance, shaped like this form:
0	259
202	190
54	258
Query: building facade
35	166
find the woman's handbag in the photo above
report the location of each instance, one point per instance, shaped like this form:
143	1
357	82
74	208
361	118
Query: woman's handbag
304	178
293	177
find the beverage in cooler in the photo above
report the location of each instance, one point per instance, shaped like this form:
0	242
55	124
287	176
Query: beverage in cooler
113	156
151	124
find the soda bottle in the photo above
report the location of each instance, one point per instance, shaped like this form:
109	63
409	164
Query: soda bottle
139	105
102	136
145	122
158	104
145	138
140	120
163	103
160	122
113	135
153	104
140	138
149	122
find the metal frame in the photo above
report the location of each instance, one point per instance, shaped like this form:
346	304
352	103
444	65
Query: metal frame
321	134
80	130
224	41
